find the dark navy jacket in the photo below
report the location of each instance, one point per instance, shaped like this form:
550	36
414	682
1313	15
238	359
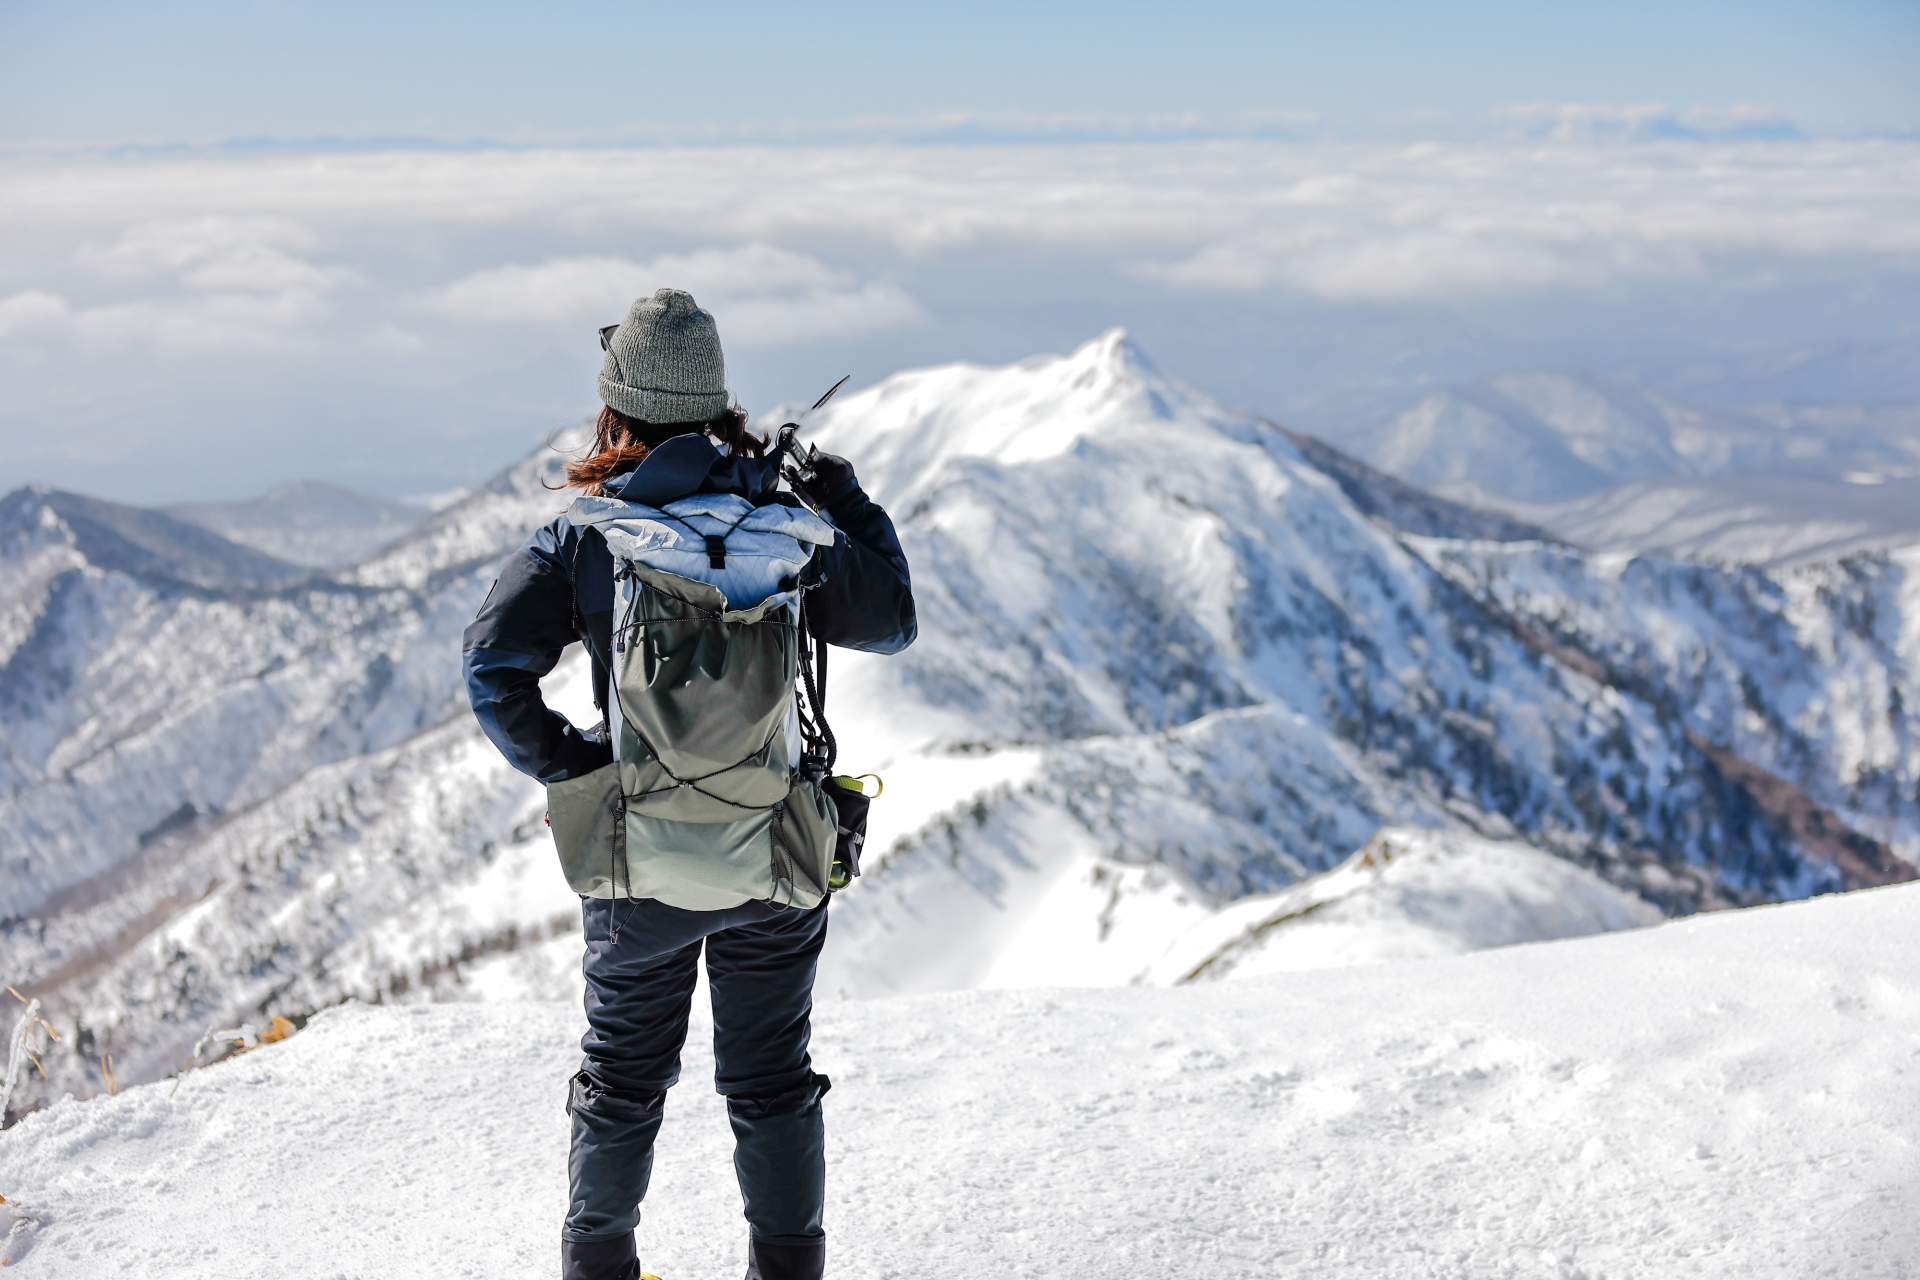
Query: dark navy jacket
862	599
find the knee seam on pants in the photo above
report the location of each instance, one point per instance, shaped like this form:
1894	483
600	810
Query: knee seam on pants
798	1099
570	1238
588	1095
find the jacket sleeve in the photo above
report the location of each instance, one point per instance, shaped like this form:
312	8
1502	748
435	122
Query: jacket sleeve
864	599
517	637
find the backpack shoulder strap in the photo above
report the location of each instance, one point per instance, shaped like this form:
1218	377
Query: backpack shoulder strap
573	576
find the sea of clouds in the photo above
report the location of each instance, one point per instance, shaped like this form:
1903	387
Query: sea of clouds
202	323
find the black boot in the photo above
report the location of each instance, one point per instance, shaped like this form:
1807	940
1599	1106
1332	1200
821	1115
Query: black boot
786	1261
613	1259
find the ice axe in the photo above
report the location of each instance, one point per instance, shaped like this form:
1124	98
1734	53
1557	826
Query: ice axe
785	446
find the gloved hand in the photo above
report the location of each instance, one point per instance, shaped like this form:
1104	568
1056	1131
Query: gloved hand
830	478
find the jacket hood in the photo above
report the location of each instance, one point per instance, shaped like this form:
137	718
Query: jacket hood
690	464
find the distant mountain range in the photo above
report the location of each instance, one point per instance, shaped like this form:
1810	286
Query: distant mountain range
1612	466
308	522
1173	658
1865	373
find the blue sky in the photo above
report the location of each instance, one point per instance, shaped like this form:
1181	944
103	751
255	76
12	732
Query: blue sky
125	72
234	250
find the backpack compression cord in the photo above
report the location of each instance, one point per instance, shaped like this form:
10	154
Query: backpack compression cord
820	748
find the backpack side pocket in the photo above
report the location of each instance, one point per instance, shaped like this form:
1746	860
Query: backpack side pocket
588	834
803	831
850	804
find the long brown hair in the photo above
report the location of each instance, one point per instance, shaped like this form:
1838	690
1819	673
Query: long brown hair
621	443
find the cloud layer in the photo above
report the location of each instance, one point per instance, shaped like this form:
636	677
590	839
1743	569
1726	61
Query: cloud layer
205	284
768	295
237	252
1415	220
355	284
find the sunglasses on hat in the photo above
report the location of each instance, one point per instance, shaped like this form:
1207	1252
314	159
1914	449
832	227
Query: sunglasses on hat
606	336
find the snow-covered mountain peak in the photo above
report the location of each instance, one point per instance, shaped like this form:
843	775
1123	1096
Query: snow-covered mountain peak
907	428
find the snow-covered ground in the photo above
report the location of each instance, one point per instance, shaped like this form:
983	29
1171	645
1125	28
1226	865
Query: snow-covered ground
1731	1095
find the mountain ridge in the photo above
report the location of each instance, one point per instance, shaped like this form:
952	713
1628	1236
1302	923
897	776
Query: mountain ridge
147	543
1167	661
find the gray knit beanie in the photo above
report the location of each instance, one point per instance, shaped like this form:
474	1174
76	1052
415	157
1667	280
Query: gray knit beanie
664	363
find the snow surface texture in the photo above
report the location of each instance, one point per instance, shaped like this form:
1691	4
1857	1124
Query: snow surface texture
1167	661
1730	1096
1610	466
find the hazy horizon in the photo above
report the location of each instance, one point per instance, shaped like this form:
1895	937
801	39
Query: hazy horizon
292	241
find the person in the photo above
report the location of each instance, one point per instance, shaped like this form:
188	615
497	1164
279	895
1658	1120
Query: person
669	430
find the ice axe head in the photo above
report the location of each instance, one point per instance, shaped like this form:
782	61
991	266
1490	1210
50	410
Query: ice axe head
786	446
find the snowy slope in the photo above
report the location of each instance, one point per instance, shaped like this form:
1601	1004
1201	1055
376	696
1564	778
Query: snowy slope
1792	684
218	795
140	699
1091	920
146	702
1728	1096
1209	674
1170	657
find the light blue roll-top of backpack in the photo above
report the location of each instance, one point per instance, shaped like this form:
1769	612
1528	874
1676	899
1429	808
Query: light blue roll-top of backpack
764	545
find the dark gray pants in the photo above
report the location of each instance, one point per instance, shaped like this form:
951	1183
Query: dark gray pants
760	967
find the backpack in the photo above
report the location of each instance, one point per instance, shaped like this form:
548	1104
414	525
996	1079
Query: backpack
713	798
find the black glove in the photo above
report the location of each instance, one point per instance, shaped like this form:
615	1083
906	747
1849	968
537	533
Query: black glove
825	480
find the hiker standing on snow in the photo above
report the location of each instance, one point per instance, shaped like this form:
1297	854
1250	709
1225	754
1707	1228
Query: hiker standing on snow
698	814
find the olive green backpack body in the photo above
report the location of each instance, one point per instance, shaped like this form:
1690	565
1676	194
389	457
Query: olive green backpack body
706	804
